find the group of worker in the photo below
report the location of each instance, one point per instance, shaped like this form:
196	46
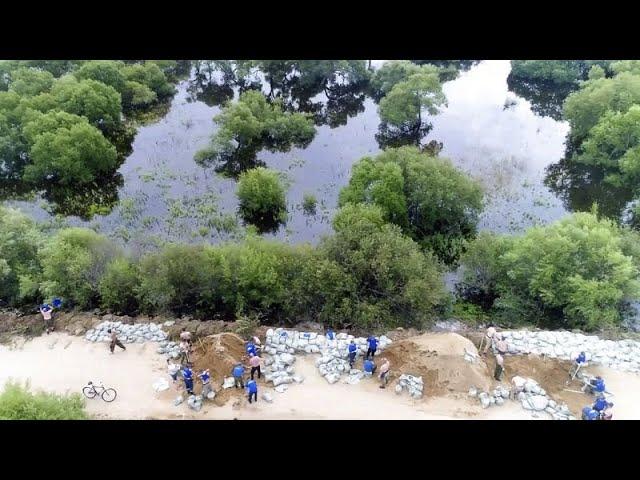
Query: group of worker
600	410
368	364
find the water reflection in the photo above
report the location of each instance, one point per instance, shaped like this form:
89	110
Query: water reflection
546	98
508	150
579	186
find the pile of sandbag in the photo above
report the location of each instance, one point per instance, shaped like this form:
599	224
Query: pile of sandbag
282	344
530	395
412	384
136	333
623	355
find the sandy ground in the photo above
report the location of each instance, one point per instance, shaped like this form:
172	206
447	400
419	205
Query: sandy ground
65	364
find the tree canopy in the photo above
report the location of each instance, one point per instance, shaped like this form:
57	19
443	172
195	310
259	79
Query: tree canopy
432	201
251	124
576	273
262	197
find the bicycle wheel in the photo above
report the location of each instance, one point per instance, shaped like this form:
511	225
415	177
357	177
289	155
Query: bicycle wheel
89	392
109	395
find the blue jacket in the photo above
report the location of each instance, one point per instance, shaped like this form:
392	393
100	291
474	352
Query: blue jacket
352	348
581	358
373	343
187	374
252	386
204	377
600	404
600	388
368	366
251	349
238	371
590	413
331	335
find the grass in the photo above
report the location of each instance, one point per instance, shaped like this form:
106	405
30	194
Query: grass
17	402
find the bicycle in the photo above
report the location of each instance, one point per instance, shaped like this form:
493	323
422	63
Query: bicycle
107	394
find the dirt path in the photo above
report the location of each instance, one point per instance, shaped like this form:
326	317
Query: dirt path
65	363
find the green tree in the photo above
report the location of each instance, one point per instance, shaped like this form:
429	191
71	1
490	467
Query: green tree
20	240
99	103
379	183
394	282
251	124
29	82
431	200
556	71
614	144
108	72
17	402
137	95
396	71
262	196
70	155
575	273
584	108
118	287
404	104
152	76
74	261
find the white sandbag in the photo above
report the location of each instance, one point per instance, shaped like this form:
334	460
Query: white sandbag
267	397
229	382
281	388
160	385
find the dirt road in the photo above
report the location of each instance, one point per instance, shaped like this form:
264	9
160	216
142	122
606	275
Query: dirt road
65	363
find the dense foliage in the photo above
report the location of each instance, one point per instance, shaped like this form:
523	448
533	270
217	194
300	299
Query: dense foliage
433	202
556	71
251	124
575	273
62	123
262	197
17	402
368	274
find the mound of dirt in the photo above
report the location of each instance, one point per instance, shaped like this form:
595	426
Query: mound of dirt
219	353
551	374
439	359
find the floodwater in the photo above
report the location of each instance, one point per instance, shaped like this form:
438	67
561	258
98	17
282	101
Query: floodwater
486	130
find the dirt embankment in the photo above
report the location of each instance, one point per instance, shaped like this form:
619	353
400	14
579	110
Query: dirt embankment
219	353
77	323
439	359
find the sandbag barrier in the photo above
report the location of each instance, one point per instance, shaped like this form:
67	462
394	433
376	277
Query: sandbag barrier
622	355
282	345
530	395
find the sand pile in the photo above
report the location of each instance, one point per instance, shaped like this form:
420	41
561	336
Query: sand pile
219	353
439	359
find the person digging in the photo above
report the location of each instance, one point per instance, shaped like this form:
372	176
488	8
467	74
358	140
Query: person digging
115	341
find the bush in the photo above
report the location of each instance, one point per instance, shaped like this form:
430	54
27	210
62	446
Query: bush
575	273
431	200
118	287
246	325
262	197
394	282
74	261
309	203
20	240
17	402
